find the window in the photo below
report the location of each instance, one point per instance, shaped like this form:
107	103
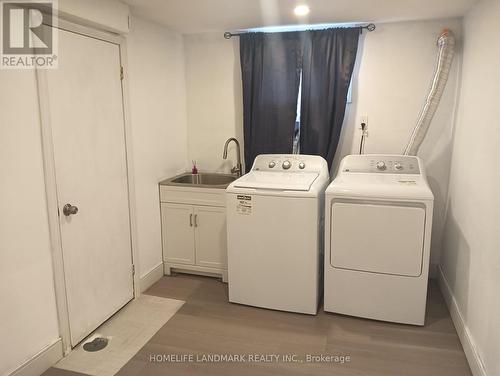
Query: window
296	132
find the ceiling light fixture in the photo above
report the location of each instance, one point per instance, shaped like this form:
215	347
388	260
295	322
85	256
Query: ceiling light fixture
301	10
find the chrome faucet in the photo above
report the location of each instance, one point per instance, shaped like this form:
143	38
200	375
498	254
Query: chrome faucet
236	169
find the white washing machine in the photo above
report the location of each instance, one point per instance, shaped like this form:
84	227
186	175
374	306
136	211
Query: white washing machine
275	233
378	221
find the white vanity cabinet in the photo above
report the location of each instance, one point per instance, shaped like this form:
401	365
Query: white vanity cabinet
194	230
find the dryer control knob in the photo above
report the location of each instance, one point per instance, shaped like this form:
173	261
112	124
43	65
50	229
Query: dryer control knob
398	166
286	165
272	164
302	165
381	165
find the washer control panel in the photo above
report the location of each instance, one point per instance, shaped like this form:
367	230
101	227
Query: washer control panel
388	164
381	165
288	163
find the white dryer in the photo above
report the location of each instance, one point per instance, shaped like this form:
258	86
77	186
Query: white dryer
274	233
378	221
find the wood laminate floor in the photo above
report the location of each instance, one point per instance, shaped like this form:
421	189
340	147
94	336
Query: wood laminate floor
208	324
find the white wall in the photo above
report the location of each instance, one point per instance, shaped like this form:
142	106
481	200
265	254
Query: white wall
28	316
471	256
158	116
214	99
393	73
112	15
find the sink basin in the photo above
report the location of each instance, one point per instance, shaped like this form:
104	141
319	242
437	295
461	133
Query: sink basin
206	180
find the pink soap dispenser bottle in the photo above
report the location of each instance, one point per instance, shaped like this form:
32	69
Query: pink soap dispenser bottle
194	170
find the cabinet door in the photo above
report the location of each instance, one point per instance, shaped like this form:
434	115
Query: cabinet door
177	223
210	235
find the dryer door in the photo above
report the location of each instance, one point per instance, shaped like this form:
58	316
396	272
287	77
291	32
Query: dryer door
377	238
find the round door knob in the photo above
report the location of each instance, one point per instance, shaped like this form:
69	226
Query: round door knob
69	209
381	165
286	165
272	164
302	165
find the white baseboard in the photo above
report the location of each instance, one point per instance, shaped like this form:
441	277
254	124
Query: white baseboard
42	361
168	267
151	277
475	362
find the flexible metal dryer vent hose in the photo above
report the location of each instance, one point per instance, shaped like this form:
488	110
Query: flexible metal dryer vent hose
446	45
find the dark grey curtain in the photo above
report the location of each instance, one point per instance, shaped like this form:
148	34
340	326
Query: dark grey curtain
328	62
270	67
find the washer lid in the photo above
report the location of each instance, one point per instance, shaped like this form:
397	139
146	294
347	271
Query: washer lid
286	181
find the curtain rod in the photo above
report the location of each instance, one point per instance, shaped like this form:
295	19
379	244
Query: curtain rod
229	35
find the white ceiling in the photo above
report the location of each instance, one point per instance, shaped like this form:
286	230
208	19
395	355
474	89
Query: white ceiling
196	16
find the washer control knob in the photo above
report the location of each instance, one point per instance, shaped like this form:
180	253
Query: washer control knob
272	164
286	165
381	165
302	165
398	166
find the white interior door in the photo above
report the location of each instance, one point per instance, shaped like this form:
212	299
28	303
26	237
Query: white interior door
86	110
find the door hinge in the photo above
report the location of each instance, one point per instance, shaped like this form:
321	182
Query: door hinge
133	269
121	73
